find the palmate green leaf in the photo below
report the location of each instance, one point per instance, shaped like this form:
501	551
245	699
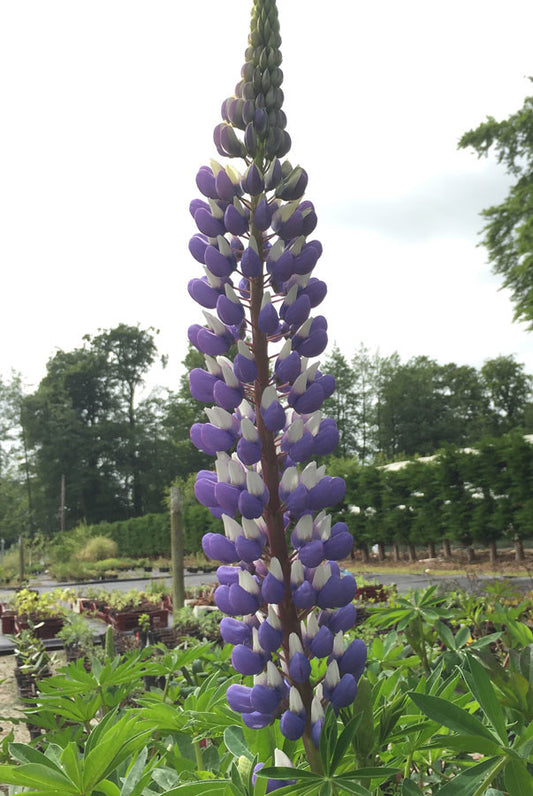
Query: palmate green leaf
27	754
471	779
71	764
38	776
109	788
410	788
472	744
286	772
328	739
135	773
484	641
236	742
350	787
481	687
449	715
210	786
118	742
446	635
344	741
518	780
379	774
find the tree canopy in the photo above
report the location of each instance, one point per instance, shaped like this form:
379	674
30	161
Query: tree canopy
508	232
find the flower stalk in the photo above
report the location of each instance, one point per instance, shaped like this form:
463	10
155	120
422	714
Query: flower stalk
279	550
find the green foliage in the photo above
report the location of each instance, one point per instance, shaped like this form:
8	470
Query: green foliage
98	548
460	726
508	229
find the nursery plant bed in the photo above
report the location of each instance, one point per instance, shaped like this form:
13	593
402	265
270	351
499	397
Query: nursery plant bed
47	627
124	621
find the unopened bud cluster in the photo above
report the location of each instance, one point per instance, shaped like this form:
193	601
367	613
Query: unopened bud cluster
284	597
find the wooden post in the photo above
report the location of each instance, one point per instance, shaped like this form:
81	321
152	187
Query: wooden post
176	548
62	505
21	560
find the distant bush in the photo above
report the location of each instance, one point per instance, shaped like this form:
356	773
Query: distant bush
97	549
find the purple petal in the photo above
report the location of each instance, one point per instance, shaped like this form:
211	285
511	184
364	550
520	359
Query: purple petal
311	400
322	644
224	186
204	295
227	496
256	720
246	661
234	631
265	699
354	659
234	222
239	698
316	290
263	215
207	224
312	553
222	600
299	668
289	368
227	397
197	246
227	575
343	619
292	726
205	180
268	320
245	369
304	597
250	506
249	452
251	264
273	590
243	603
339	546
201	384
344	692
229	311
249	550
274	416
210	343
269	638
220	548
217	264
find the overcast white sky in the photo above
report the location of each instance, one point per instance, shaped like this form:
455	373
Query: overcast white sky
108	108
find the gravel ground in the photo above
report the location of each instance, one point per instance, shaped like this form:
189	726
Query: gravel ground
10	705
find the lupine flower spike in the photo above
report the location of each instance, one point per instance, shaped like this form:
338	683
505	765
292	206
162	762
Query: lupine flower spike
281	589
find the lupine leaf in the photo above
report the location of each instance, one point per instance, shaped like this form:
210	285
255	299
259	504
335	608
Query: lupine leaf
471	779
344	741
286	772
236	742
448	714
351	787
479	683
518	780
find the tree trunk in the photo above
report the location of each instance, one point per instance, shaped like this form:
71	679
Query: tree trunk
518	548
365	552
412	552
431	550
446	549
381	551
493	552
470	554
396	551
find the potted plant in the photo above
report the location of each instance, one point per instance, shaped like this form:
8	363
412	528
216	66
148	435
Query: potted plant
77	638
124	609
44	611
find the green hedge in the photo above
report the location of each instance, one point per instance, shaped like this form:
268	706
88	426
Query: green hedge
150	535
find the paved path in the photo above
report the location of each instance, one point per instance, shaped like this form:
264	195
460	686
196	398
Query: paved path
403	581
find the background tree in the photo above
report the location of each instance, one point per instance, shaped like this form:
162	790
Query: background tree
508	391
342	406
508	232
128	353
